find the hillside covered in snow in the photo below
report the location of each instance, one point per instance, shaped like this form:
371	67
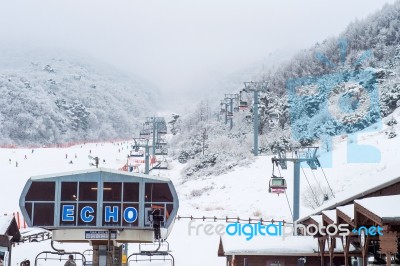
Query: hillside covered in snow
338	87
49	98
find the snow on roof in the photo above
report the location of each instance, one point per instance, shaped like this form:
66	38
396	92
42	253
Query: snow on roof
383	206
348	210
317	218
269	245
331	215
5	222
94	170
345	198
339	246
32	231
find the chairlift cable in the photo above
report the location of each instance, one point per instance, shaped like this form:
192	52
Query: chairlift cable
333	195
273	170
290	208
287	199
315	196
316	181
279	170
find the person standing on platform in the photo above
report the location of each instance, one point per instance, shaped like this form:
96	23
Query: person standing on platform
70	261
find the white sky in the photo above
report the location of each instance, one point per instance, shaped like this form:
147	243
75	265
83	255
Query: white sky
179	45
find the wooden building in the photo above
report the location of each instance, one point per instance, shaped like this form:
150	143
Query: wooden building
9	234
377	207
270	250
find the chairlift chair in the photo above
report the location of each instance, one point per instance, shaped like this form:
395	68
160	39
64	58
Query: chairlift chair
229	114
161	151
243	105
277	185
161	165
162	129
161	142
144	133
136	153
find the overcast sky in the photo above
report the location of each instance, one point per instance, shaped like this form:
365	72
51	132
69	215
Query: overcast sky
179	45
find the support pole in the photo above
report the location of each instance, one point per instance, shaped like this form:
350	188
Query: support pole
255	123
231	110
158	135
296	191
9	257
331	250
388	259
204	138
226	113
345	244
147	159
321	243
154	136
125	253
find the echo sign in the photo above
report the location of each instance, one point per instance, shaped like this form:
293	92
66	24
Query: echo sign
110	214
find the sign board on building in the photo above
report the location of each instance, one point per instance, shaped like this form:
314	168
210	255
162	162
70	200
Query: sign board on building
100	235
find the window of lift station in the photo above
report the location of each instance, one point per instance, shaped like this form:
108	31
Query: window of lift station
78	202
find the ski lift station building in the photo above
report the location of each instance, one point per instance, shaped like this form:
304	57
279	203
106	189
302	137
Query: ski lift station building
71	203
99	206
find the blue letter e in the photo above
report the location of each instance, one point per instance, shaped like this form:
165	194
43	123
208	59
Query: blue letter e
68	213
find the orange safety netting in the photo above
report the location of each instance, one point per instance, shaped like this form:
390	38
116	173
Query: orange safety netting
59	145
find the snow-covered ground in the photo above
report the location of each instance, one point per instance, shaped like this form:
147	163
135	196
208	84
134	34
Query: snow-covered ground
242	192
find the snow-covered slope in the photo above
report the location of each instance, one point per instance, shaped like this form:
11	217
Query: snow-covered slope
242	192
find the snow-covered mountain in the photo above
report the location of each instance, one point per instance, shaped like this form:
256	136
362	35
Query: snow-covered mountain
340	86
54	97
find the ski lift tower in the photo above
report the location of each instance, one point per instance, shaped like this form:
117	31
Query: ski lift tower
155	121
224	110
255	87
144	143
229	98
307	154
